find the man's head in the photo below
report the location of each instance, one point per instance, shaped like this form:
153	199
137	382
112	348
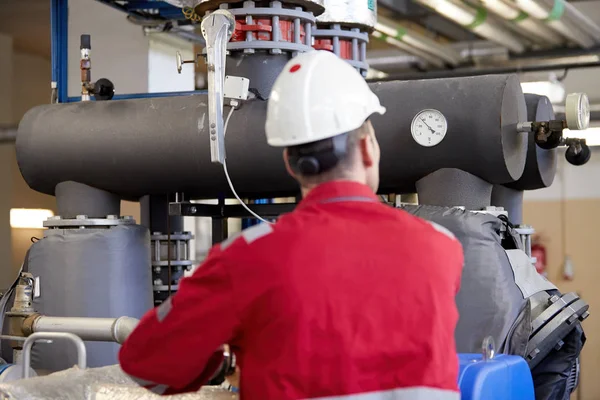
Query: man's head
319	112
351	156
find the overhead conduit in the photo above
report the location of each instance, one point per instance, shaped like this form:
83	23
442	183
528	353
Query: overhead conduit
415	43
477	21
563	18
535	30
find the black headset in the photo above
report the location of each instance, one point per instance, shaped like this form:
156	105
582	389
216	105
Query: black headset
318	157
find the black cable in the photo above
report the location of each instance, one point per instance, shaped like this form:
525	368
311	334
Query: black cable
564	75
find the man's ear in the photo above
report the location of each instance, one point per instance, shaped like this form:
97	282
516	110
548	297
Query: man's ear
365	145
286	161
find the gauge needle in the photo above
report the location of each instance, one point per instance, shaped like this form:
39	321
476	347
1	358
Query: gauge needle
432	131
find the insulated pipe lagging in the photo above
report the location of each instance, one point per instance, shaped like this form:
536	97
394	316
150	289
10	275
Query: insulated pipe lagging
89	329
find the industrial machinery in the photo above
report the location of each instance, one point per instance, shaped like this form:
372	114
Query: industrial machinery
468	147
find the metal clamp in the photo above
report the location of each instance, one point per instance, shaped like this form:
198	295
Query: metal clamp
217	29
81	350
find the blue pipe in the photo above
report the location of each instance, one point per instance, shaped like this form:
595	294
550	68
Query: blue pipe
59	27
54	39
145	95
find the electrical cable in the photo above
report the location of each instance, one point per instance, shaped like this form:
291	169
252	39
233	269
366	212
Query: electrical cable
255	215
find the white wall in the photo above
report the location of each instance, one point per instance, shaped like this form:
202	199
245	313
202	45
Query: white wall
32	76
162	65
119	48
582	182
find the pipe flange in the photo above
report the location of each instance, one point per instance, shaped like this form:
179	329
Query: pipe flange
82	221
174	236
314	6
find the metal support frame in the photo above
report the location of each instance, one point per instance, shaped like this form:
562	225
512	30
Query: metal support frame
59	26
221	212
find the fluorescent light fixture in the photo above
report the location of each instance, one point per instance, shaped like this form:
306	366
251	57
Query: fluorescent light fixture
31	218
554	91
591	135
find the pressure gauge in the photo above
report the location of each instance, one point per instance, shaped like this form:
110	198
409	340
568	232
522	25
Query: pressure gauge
429	127
577	111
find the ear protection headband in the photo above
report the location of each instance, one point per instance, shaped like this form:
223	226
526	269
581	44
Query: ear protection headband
318	157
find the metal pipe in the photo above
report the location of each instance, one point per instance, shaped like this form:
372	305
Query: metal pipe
475	20
91	329
420	42
423	56
564	19
510	66
27	346
531	27
8	134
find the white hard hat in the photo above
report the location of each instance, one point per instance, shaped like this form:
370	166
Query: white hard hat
317	96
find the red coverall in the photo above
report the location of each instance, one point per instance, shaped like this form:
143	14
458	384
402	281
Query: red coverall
343	296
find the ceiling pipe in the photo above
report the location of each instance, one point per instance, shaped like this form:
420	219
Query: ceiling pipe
392	29
507	67
8	134
399	44
534	29
563	18
475	20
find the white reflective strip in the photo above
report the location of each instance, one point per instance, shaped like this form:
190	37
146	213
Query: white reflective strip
151	386
163	310
141	382
227	242
256	232
443	230
413	393
159	389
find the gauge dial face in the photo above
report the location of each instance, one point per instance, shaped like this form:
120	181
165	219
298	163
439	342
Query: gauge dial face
577	110
583	112
429	127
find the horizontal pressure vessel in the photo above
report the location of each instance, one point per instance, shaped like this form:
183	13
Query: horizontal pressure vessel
161	145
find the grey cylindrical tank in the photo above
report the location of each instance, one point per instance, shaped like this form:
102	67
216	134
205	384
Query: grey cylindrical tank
102	272
540	167
161	145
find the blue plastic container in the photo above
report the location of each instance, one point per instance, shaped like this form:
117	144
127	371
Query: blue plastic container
501	378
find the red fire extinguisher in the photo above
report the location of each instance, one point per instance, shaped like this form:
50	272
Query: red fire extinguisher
538	251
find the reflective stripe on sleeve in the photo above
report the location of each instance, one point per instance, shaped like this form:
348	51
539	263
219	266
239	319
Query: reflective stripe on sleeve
442	229
151	386
412	393
163	310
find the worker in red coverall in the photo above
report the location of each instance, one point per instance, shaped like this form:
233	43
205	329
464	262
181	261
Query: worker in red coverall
343	298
